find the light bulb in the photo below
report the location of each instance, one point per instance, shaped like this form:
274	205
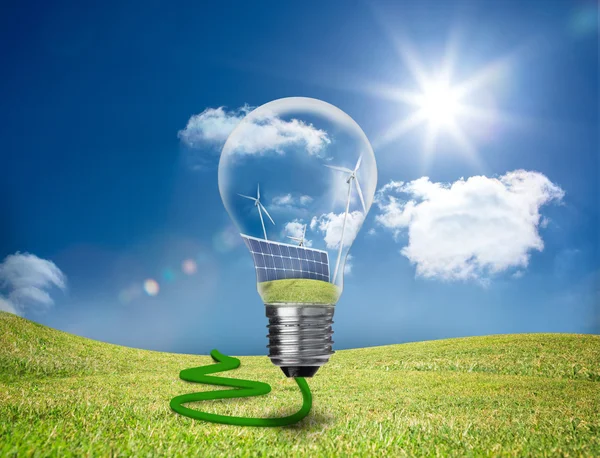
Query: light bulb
297	177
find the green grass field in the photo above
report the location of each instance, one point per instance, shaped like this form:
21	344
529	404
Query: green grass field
507	395
298	290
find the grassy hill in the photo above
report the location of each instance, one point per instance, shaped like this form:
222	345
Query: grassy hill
515	395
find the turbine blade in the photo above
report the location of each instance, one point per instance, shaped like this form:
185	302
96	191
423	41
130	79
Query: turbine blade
247	197
358	163
360	194
341	169
263	207
258	191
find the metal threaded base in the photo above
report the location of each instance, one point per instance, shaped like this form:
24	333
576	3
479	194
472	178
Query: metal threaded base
300	337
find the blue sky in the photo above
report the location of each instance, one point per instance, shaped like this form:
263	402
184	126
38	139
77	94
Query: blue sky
102	192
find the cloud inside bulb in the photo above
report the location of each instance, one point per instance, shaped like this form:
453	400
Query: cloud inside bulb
330	225
296	229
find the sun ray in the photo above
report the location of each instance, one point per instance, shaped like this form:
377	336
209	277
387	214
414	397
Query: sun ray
388	92
400	128
449	59
498	117
402	46
431	136
466	111
409	56
487	75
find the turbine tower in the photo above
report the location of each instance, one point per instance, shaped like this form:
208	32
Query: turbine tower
353	177
300	240
259	205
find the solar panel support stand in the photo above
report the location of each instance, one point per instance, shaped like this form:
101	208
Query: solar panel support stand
300	337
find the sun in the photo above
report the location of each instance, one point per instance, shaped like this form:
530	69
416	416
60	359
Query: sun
440	104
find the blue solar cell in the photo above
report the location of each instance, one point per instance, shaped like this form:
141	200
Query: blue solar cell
275	261
278	262
259	260
269	261
254	245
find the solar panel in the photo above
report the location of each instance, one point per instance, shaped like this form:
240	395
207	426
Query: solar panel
279	261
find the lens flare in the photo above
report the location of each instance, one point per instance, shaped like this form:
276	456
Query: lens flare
168	275
189	267
151	287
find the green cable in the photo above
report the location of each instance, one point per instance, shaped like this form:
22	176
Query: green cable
243	388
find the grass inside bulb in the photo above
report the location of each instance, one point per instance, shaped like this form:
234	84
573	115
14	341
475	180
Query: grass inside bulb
297	177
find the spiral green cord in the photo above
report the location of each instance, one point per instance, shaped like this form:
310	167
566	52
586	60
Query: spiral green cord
243	388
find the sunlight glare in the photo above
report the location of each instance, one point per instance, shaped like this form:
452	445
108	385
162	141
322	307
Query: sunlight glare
440	105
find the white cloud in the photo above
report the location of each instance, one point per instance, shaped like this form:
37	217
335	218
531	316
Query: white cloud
295	229
285	199
289	200
25	279
331	225
211	127
471	228
269	133
305	200
206	133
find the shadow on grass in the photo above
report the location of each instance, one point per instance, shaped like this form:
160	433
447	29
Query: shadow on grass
312	421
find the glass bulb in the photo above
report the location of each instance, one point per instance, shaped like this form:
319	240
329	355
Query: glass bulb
297	177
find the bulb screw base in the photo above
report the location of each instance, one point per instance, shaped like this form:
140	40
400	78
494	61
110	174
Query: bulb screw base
300	337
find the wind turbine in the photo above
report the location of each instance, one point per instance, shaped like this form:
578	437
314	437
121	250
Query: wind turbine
353	177
299	239
259	205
